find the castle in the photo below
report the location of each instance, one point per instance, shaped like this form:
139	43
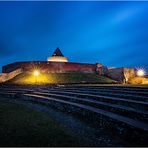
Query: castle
58	63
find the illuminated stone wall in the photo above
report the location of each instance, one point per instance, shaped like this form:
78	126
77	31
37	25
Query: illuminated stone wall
118	74
52	67
7	76
121	74
57	59
129	73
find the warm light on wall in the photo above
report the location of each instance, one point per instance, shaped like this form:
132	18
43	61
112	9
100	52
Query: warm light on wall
36	73
36	78
140	72
57	59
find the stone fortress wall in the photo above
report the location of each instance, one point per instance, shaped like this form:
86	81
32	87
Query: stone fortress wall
118	74
121	74
52	67
7	76
57	63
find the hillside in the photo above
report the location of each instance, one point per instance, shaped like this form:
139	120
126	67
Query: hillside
59	78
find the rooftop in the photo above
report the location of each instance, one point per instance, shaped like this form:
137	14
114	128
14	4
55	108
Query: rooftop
57	52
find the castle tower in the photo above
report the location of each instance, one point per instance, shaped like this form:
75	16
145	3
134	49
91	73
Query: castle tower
57	56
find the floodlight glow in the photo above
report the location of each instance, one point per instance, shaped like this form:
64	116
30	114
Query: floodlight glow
140	72
36	73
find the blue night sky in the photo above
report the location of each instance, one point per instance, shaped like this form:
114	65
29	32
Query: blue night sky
112	33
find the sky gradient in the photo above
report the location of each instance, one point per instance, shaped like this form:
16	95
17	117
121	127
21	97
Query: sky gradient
112	33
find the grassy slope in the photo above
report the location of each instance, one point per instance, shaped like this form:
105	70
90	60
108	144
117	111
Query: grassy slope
22	126
60	78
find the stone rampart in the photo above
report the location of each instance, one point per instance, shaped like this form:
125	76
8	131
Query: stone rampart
121	74
52	67
7	76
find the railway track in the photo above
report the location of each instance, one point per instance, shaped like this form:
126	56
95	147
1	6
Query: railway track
121	111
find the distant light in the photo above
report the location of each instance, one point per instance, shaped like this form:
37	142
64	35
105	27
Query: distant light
140	72
36	73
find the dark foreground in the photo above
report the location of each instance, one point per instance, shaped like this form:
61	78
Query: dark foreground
73	115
